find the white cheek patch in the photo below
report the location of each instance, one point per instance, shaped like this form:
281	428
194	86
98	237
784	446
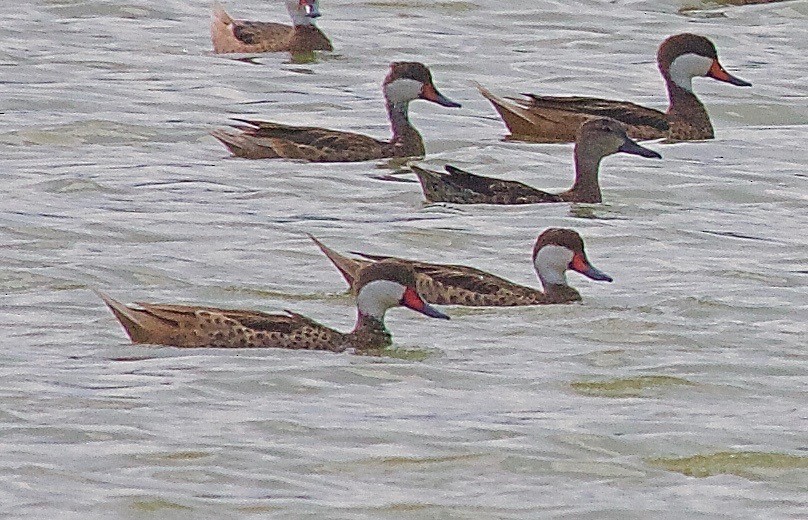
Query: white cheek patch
551	263
376	297
688	66
403	90
298	13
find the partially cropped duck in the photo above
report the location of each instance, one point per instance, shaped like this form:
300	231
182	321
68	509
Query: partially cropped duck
681	58
378	287
230	35
597	138
406	81
556	251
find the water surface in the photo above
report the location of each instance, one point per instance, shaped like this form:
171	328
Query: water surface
111	182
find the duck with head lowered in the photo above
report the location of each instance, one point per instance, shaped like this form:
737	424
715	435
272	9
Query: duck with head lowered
378	287
552	119
406	81
231	35
556	251
597	138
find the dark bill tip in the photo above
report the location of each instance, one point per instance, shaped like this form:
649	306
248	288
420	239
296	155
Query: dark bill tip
596	274
430	93
718	72
412	300
432	312
446	102
630	146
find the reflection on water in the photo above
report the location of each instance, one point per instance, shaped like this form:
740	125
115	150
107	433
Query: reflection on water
691	363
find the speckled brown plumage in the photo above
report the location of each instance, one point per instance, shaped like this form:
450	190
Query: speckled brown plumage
462	187
194	327
553	119
186	326
229	35
268	140
462	285
596	139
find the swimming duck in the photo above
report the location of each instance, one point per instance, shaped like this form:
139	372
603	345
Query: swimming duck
682	57
556	251
229	35
406	81
597	138
378	287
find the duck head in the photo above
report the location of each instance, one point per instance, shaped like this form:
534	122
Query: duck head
603	136
386	284
410	80
303	12
558	250
685	56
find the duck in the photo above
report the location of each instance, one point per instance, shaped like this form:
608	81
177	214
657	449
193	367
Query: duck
597	138
230	35
556	250
377	287
551	119
406	81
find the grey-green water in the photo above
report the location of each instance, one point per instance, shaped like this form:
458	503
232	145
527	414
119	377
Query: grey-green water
590	411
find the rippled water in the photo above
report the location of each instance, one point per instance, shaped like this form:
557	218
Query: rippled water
589	411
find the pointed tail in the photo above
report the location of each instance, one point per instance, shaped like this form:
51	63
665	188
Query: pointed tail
220	15
518	120
431	183
348	267
126	315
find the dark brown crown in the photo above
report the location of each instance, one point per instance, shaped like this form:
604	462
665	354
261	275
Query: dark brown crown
568	238
602	124
681	44
389	270
409	70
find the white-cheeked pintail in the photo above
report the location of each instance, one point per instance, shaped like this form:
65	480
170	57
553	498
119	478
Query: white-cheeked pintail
406	81
597	138
378	287
551	119
231	35
556	251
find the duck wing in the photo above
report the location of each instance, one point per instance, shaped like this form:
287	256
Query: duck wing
265	139
447	284
630	114
192	326
462	187
269	35
500	191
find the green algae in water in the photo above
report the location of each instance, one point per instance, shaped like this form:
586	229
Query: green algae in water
628	387
456	6
747	464
406	354
158	504
184	455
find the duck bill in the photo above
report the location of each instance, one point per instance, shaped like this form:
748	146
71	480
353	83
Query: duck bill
412	300
430	93
310	8
717	72
581	264
632	147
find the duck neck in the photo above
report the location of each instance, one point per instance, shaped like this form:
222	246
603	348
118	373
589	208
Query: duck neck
560	293
551	266
308	38
299	19
685	111
404	134
586	187
369	333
